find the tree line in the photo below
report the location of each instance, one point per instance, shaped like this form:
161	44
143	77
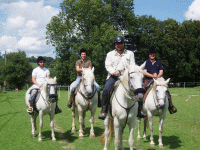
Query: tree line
94	24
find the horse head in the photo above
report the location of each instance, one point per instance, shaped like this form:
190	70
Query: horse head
160	88
88	80
50	88
133	76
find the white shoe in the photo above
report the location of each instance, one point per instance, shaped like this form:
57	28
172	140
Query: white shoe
30	110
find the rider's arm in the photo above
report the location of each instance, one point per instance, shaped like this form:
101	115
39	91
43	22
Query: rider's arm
109	63
34	81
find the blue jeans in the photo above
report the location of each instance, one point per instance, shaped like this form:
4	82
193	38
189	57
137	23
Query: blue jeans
33	94
78	80
109	82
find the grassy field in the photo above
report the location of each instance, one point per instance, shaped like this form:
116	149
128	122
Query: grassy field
181	130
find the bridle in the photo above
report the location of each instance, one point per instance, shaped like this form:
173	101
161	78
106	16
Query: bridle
156	99
52	97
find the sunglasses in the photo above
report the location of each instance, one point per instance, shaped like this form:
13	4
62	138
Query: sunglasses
119	42
42	62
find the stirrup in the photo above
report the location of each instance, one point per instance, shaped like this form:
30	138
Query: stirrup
30	110
69	104
172	109
58	110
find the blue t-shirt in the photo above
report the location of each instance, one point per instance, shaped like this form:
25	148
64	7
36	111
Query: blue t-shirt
153	67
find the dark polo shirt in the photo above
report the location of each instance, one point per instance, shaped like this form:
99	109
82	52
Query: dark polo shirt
153	67
81	64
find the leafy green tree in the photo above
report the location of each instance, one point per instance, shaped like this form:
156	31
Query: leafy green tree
16	70
89	24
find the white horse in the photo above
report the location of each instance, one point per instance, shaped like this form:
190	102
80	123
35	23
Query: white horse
85	99
45	104
156	104
125	106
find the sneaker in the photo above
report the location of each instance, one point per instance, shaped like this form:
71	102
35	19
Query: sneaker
30	110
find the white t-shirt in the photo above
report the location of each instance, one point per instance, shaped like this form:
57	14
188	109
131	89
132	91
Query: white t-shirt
40	74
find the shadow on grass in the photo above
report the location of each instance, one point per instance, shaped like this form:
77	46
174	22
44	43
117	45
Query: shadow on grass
172	141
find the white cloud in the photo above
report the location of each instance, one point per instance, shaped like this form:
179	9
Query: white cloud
8	43
193	11
14	22
25	24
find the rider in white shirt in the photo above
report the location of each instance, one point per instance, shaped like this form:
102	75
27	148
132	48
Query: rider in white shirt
115	63
39	76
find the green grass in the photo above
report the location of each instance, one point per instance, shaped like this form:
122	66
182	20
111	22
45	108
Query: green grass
181	130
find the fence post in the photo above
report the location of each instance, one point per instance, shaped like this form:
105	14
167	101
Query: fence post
184	85
59	90
68	91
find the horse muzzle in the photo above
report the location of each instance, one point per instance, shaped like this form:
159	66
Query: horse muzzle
53	98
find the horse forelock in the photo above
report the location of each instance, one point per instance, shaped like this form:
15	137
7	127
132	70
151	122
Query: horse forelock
88	73
161	82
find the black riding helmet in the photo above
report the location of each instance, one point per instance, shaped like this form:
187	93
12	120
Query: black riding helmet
39	59
119	38
152	49
83	50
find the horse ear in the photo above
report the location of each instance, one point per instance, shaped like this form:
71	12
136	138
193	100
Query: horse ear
92	69
143	65
167	81
155	81
54	78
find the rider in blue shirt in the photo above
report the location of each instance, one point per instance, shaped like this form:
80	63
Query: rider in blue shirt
154	69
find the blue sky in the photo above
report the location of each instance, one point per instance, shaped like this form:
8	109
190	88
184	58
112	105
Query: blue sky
23	22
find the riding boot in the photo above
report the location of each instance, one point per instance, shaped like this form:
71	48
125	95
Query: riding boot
140	113
172	109
57	109
99	99
104	107
71	99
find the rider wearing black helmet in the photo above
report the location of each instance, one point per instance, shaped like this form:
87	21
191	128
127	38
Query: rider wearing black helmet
39	76
114	65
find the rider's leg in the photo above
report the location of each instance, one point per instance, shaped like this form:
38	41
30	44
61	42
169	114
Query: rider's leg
111	80
140	113
172	109
99	93
31	101
72	96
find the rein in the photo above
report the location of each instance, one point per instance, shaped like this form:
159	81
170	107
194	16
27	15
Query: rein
129	95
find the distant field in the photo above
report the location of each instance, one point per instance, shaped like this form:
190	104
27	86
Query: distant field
181	130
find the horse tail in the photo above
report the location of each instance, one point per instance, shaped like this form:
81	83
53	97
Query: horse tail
111	128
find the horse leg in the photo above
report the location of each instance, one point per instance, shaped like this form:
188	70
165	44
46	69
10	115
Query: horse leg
131	133
150	118
160	132
80	114
52	127
139	123
40	127
73	121
33	124
118	134
145	127
107	131
92	120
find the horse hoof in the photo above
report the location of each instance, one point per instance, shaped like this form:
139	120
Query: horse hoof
81	137
152	145
138	139
144	138
73	131
33	135
161	146
39	140
92	136
53	140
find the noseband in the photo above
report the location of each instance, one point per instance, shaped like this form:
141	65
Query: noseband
52	97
